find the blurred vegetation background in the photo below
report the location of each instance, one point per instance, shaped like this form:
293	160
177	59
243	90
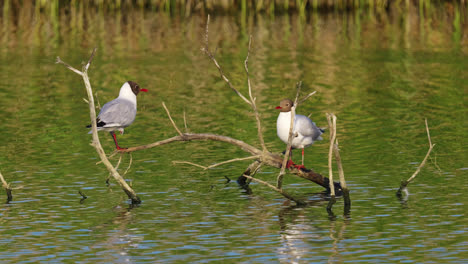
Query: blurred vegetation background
45	23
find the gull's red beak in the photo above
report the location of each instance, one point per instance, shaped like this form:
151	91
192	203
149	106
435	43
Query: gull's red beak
278	107
143	90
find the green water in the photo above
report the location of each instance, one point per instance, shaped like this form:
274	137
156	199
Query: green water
381	74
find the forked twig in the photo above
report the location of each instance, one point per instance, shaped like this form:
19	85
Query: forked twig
207	51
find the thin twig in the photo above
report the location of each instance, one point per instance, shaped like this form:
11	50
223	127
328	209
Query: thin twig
306	97
189	163
185	123
207	51
216	164
172	121
90	59
97	99
428	134
118	162
59	61
129	164
252	99
431	146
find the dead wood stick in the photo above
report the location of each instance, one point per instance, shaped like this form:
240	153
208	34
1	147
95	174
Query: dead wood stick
330	164
344	186
202	136
96	143
7	188
431	146
306	97
216	164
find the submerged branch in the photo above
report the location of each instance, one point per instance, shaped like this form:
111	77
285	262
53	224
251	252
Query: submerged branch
268	158
330	150
7	188
281	191
431	146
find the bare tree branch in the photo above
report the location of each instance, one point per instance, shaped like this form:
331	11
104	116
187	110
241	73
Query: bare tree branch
306	97
189	163
207	51
216	164
96	143
252	99
204	136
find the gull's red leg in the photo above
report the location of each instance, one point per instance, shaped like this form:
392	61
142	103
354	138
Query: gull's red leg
302	156
114	136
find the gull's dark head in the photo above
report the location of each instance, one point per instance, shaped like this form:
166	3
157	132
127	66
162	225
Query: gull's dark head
135	87
285	105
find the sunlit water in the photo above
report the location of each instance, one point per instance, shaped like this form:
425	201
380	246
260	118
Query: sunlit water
380	77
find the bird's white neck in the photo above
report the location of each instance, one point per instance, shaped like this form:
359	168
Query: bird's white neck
127	93
285	116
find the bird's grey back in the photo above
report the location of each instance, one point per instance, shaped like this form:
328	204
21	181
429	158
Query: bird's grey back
118	112
308	127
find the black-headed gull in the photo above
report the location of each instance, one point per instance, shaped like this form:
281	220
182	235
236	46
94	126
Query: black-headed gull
305	132
120	112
